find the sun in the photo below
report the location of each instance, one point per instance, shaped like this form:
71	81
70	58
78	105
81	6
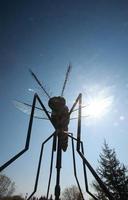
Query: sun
98	106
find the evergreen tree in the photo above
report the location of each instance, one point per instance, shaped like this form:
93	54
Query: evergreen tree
113	174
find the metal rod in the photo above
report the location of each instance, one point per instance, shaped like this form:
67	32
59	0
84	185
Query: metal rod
27	105
27	139
75	103
51	166
84	168
66	79
79	123
85	175
58	167
104	188
39	165
72	136
45	110
79	100
74	110
39	83
27	143
74	166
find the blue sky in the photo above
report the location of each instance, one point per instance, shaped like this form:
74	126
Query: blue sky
45	36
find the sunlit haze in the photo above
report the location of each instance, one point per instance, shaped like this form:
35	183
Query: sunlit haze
98	107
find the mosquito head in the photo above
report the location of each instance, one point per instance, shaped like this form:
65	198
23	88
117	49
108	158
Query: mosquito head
56	103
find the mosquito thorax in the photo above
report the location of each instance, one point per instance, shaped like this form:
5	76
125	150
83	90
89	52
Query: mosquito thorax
57	103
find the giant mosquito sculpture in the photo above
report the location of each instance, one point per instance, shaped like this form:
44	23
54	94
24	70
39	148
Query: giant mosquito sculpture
59	118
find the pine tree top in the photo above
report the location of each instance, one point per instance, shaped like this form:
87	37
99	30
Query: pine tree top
113	174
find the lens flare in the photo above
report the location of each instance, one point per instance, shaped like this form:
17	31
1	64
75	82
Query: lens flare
98	107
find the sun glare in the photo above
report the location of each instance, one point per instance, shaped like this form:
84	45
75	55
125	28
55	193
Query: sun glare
99	107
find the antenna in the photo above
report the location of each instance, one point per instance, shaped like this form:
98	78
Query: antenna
66	79
39	83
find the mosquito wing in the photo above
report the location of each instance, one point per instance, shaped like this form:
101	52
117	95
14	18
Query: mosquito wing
26	108
74	114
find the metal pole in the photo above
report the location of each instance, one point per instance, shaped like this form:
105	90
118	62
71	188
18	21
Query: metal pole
58	167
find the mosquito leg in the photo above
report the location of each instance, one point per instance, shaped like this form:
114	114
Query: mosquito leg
102	185
49	117
51	166
74	166
27	138
58	168
36	97
39	165
84	167
85	175
79	102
